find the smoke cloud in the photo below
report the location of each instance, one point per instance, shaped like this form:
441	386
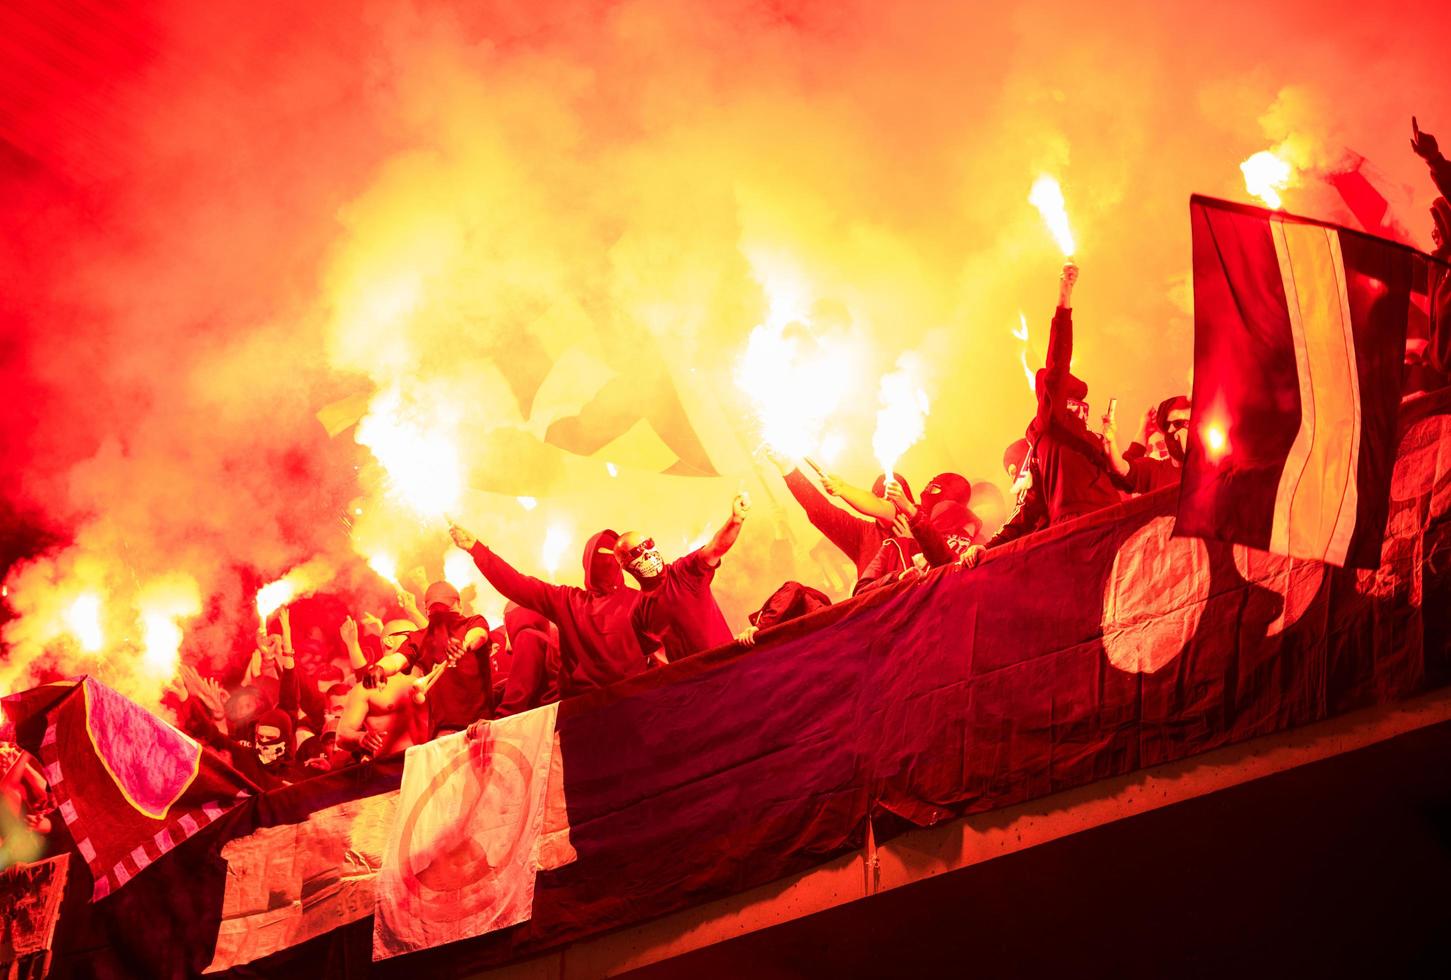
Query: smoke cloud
489	232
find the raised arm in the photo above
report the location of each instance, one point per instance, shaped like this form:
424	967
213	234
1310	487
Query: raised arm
717	546
864	502
835	524
527	591
1060	350
1425	147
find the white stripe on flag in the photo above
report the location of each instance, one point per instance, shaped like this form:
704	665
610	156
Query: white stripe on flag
1315	508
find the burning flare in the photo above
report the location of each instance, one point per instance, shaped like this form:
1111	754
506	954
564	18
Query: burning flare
1265	175
1021	335
413	446
83	620
1047	197
796	381
556	543
901	419
161	606
386	566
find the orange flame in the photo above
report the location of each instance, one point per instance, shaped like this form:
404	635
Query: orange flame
902	417
413	446
385	565
1021	335
1047	197
83	620
1265	175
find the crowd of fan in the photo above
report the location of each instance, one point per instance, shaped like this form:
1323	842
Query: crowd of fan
389	685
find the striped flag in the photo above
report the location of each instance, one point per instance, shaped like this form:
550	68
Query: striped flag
1299	337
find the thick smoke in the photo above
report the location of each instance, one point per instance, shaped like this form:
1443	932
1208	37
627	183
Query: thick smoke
472	218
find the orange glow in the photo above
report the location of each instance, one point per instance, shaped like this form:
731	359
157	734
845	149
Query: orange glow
414	447
556	543
83	620
1265	175
1216	442
273	596
902	417
458	569
1047	197
385	565
1021	335
162	605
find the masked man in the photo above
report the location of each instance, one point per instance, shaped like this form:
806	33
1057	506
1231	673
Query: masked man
1144	473
859	539
457	647
677	608
266	757
596	643
1065	475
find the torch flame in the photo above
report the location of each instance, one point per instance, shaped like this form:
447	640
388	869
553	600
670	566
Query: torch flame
1047	197
83	619
273	596
458	569
1265	175
901	419
161	606
556	543
1021	335
796	382
385	565
423	466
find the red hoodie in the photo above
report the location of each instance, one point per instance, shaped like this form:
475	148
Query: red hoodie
597	644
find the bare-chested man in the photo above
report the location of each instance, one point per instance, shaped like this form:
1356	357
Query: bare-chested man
384	720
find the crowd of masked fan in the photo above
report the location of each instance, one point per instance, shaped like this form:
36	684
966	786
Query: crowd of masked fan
346	691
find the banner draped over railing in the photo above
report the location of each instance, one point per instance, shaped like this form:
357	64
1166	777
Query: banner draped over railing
1089	651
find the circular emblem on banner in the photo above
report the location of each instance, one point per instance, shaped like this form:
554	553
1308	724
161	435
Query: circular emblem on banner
476	827
1154	597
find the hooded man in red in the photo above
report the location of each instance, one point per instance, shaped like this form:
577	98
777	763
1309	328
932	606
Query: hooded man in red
597	644
860	539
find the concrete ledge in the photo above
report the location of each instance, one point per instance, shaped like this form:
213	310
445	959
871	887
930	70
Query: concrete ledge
922	854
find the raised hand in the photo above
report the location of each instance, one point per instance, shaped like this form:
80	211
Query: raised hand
740	506
832	484
1066	281
372	624
782	463
898	498
901	526
1424	144
462	538
348	632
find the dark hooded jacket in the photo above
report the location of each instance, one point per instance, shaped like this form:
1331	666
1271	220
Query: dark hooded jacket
282	772
597	644
534	675
1070	472
944	526
1148	473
